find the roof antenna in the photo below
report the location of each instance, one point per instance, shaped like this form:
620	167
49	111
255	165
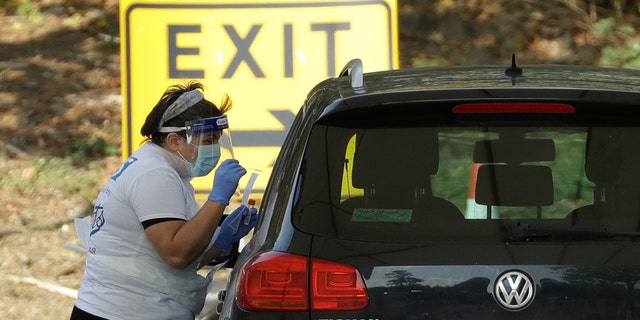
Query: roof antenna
513	71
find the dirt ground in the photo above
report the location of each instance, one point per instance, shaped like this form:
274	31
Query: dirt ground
60	84
59	81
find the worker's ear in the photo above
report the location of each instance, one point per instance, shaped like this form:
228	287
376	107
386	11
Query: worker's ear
173	141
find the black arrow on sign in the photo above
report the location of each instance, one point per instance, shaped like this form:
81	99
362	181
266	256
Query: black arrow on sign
264	138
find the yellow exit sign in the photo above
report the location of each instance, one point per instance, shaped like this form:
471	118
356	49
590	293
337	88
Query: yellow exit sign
265	55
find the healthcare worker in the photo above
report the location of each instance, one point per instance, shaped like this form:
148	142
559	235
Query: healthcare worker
148	236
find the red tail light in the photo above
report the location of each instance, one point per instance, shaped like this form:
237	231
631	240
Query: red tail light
337	287
276	281
514	107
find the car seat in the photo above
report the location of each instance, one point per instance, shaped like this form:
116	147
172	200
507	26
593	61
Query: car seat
613	164
503	178
394	167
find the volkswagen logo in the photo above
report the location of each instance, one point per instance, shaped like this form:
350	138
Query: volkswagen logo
514	290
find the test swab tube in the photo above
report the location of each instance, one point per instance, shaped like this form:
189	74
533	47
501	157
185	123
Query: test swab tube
250	204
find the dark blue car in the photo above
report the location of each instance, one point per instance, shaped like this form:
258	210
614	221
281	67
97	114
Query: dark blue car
490	192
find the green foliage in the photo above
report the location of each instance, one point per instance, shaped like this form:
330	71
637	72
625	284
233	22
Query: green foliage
49	176
604	27
95	147
26	8
30	9
626	56
623	47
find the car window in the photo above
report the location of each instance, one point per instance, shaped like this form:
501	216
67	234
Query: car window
447	182
570	186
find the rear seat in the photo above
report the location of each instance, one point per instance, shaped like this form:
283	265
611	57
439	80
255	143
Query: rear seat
503	179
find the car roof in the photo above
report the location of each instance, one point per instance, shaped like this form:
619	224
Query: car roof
355	88
494	76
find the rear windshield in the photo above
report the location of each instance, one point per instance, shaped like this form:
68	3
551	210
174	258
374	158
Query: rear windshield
507	181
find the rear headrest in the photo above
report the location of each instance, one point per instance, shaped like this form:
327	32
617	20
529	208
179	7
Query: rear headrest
514	185
613	155
514	151
395	156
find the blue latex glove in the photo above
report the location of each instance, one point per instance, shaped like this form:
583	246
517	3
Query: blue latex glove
235	227
225	182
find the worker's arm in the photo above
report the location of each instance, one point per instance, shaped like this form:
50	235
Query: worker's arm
178	242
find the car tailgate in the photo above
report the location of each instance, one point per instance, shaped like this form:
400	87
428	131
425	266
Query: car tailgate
490	281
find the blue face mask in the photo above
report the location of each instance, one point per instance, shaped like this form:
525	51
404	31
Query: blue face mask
208	156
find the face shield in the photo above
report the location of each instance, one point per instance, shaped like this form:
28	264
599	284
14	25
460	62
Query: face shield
212	138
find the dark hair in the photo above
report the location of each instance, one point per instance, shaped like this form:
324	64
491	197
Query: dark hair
200	110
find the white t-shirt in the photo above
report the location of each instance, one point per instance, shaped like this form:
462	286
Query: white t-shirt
147	186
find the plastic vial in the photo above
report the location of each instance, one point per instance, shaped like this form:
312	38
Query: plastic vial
250	203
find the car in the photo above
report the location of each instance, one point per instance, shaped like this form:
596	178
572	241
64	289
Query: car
459	192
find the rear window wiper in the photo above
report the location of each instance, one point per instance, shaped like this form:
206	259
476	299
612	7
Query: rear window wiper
518	230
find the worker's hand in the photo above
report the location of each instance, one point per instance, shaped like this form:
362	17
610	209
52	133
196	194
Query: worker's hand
226	181
235	227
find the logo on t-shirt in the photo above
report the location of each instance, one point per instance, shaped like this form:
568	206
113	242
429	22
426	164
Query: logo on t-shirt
123	167
98	219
